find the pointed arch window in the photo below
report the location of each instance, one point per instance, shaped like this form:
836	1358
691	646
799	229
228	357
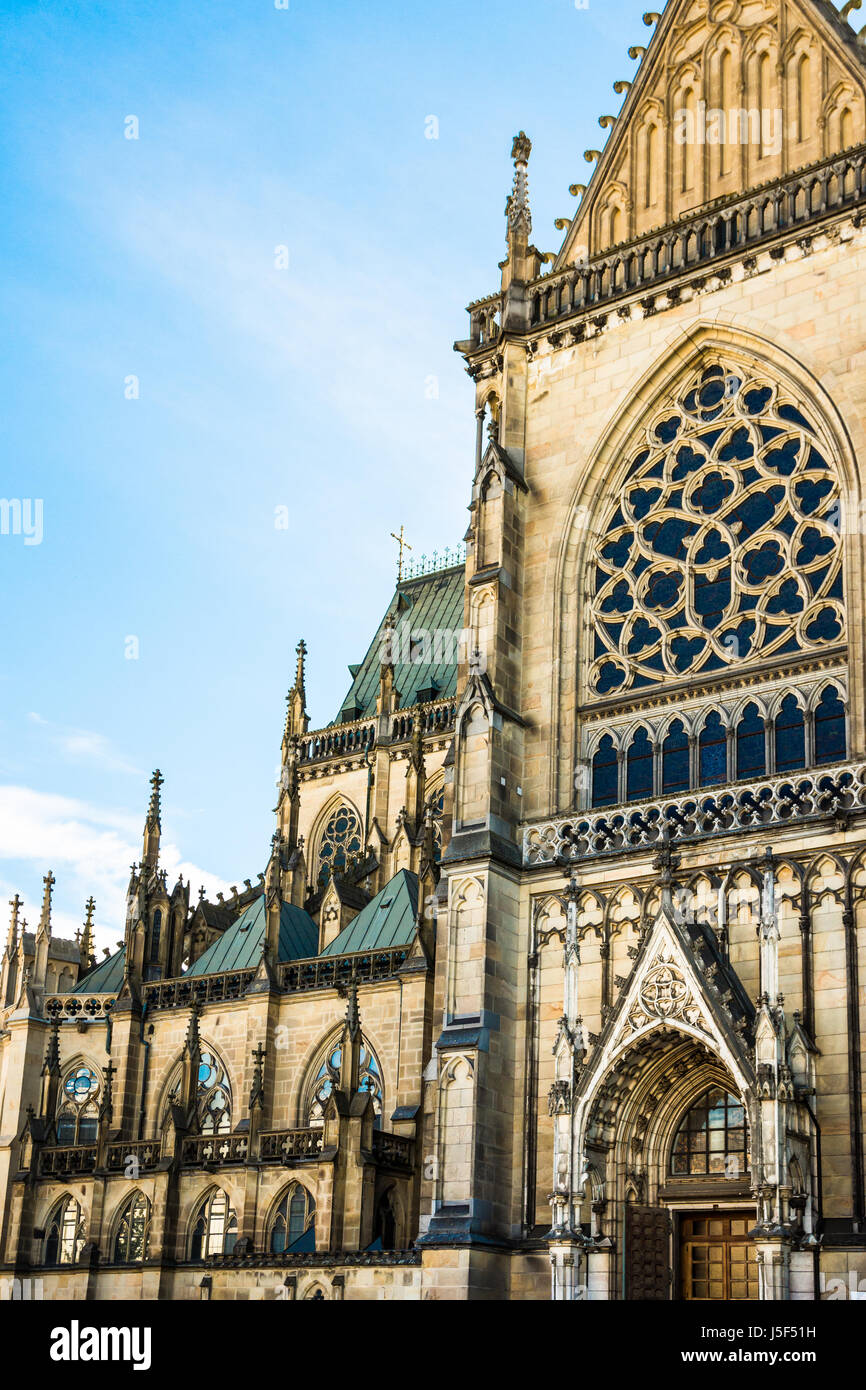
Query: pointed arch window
132	1237
327	1076
639	767
294	1222
713	752
215	1229
723	547
215	1100
675	760
64	1234
78	1117
713	1139
341	842
605	774
830	740
155	935
790	736
751	743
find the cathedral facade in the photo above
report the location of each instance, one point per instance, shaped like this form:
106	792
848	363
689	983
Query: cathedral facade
554	985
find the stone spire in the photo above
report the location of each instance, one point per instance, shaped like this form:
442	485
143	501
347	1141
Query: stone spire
45	916
416	775
297	719
152	826
12	939
86	950
51	1073
350	1061
517	208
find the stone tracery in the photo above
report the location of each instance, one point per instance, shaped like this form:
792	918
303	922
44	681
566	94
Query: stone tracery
724	547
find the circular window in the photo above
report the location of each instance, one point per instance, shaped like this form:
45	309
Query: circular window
81	1083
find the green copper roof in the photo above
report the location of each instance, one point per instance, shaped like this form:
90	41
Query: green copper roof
240	946
105	978
387	920
430	610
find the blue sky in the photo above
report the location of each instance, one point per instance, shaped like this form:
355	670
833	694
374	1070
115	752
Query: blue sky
259	387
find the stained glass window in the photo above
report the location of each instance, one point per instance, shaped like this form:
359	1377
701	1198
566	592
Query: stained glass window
78	1117
713	1139
605	774
328	1076
830	742
341	841
713	752
790	736
215	1231
724	547
215	1104
639	767
294	1219
751	743
64	1237
132	1238
675	760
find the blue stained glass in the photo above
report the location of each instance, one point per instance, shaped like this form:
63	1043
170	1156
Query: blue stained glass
675	760
639	767
751	743
830	738
713	753
790	736
605	790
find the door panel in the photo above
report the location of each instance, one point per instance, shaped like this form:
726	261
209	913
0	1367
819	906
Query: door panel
647	1253
717	1259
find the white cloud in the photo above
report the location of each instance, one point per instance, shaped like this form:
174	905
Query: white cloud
83	745
89	849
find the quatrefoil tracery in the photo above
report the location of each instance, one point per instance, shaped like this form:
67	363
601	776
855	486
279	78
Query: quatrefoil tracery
725	543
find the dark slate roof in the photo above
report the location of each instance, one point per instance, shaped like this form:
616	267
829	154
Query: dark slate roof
433	603
387	920
105	978
240	946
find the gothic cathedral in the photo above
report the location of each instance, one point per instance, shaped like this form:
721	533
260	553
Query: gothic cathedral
554	985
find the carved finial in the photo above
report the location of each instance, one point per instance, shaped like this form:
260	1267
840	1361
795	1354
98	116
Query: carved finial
577	190
591	155
45	917
517	207
12	941
193	1037
623	85
637	50
651	17
562	223
51	1065
257	1089
153	810
86	950
606	122
849	6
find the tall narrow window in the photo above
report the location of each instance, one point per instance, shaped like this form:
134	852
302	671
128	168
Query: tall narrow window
294	1222
830	743
155	934
651	142
64	1234
132	1238
713	753
675	760
751	743
804	123
790	736
215	1231
605	789
727	104
615	226
764	101
688	148
846	128
639	767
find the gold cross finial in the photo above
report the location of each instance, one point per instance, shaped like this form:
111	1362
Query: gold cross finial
404	545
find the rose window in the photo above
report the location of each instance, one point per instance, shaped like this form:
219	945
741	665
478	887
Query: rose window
724	547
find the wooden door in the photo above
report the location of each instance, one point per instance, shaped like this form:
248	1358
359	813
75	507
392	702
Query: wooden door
647	1253
717	1258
